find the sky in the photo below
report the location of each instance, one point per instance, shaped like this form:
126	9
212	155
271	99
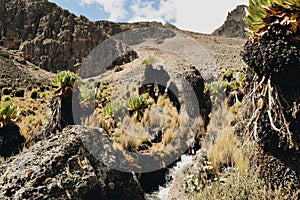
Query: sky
194	15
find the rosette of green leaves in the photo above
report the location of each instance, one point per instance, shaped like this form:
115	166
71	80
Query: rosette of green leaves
65	81
114	109
136	103
9	113
262	14
89	97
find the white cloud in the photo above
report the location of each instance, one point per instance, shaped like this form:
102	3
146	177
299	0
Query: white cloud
115	8
191	15
203	15
145	11
195	15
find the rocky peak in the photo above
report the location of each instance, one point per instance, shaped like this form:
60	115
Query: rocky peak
48	35
234	25
53	38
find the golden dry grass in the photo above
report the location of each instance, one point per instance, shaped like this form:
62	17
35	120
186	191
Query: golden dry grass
224	147
130	133
33	113
241	186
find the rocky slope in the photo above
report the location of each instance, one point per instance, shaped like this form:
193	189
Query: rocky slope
39	38
54	39
50	37
62	168
16	72
234	25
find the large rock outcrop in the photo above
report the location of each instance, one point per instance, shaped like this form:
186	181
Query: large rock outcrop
61	168
49	36
234	26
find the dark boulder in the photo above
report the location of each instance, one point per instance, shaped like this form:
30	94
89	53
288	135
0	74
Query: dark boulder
11	140
197	104
20	93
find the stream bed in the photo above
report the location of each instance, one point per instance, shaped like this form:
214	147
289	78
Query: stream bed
163	191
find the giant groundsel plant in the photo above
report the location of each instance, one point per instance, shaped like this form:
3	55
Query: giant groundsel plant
262	15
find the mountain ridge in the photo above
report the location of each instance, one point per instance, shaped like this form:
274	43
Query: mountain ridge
234	26
53	38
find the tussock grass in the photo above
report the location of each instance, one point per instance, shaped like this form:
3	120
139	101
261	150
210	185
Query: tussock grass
241	186
34	113
129	133
225	148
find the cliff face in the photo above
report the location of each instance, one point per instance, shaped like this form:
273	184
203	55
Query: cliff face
48	36
234	25
55	39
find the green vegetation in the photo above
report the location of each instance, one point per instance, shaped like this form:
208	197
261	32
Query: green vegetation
227	75
145	62
6	91
89	97
9	114
65	82
113	109
262	14
136	103
32	112
5	98
95	95
230	81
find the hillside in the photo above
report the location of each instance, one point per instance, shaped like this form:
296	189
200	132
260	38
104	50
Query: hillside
41	29
144	99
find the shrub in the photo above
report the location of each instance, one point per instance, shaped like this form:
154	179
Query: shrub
136	103
89	97
6	91
227	75
65	81
5	98
113	109
9	113
145	63
30	119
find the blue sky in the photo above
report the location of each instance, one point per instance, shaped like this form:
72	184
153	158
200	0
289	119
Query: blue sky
195	15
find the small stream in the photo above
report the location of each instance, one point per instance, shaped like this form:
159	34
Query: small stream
163	191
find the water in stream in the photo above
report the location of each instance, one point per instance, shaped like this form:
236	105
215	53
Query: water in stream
163	191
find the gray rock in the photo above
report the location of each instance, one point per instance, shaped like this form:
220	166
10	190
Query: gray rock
234	26
61	168
55	39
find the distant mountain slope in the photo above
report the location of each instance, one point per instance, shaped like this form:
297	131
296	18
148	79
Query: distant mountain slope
234	25
16	72
48	35
54	39
51	37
